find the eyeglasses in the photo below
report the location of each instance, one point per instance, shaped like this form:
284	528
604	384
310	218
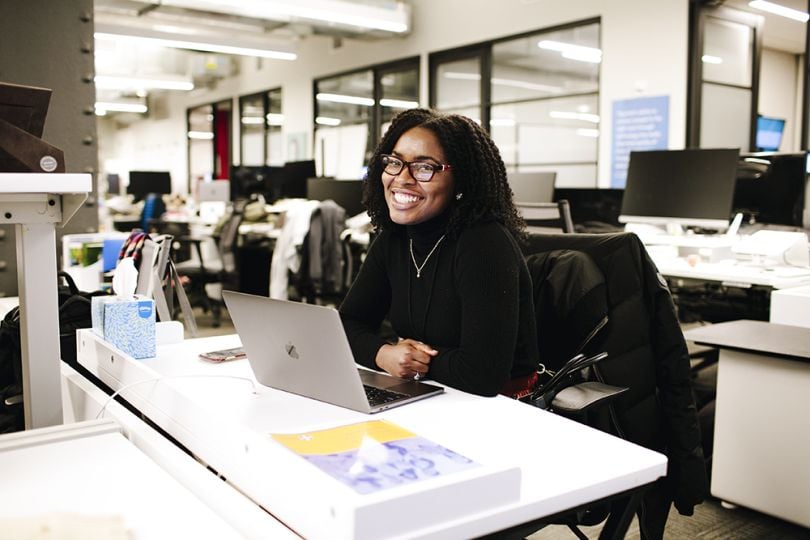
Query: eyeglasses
421	171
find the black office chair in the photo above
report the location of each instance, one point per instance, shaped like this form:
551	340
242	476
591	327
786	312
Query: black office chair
542	218
646	354
221	270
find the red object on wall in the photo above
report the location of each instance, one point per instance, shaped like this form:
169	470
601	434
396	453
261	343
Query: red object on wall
222	138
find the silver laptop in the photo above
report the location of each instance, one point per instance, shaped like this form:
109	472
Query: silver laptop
302	348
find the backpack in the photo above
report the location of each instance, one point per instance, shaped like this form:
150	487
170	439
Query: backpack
74	313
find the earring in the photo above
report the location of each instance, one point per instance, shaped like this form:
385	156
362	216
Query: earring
459	196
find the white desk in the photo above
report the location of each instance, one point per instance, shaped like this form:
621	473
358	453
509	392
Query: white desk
562	464
761	431
87	481
791	306
732	272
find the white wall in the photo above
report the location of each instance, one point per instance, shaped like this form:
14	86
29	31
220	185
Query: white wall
644	53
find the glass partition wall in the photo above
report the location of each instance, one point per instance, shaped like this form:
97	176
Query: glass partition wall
260	122
352	110
537	94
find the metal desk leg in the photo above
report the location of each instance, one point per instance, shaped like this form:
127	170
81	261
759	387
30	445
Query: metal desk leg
39	324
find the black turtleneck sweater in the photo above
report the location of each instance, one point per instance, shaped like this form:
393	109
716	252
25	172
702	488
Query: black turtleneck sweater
473	303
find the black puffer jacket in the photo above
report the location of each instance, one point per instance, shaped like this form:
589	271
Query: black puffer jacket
647	353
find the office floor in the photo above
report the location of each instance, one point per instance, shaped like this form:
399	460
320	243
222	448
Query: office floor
711	521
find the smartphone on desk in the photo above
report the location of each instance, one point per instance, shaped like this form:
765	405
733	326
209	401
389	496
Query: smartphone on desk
224	355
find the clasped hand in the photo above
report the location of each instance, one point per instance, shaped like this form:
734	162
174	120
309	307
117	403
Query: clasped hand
406	359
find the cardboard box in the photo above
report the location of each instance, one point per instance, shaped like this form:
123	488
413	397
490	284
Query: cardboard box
127	323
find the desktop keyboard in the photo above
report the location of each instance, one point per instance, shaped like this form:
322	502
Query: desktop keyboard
378	396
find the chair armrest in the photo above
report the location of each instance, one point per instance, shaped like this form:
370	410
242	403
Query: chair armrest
581	397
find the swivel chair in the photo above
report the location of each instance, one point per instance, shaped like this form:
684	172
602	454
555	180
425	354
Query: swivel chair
220	270
551	217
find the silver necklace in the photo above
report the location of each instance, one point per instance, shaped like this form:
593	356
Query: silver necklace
418	267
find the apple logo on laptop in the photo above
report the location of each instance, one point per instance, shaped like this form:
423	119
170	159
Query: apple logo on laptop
291	351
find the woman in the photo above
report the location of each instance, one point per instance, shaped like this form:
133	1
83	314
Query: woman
445	269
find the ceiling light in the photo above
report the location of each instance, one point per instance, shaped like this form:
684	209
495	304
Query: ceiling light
275	119
115	82
253	120
209	43
498	81
502	122
573	52
586	132
103	107
343	98
399	103
776	9
565	115
201	135
395	18
709	59
326	121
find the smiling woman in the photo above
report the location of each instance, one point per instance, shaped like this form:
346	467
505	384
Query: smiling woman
445	268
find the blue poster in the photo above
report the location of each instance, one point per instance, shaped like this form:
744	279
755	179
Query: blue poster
638	124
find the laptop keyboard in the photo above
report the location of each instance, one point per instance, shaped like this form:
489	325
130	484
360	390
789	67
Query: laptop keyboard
379	396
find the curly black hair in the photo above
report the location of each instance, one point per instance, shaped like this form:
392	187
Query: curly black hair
478	173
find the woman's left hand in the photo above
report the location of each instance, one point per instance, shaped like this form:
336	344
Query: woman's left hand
407	359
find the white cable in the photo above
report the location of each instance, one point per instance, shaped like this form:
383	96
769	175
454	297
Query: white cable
157	379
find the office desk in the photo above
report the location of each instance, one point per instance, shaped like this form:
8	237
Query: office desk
88	481
762	431
727	289
732	272
562	464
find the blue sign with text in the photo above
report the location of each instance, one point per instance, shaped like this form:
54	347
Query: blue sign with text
638	124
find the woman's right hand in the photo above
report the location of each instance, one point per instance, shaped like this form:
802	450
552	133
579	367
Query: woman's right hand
406	359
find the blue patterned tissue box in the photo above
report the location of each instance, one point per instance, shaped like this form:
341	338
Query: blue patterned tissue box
129	324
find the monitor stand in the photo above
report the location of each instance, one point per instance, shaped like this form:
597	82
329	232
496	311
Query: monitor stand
28	153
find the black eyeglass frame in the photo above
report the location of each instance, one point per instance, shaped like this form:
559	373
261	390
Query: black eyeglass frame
434	167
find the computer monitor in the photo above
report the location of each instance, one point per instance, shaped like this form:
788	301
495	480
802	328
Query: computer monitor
22	119
693	188
592	206
346	193
532	187
770	188
142	183
113	184
249	180
769	133
290	182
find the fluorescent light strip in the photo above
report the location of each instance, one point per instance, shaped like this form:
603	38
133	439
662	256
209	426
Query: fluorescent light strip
253	120
783	11
201	135
342	98
198	46
514	83
565	115
525	85
709	59
502	122
585	132
113	82
572	52
327	121
399	103
120	107
275	119
329	11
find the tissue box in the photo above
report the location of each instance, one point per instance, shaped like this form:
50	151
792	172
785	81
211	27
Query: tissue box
127	323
